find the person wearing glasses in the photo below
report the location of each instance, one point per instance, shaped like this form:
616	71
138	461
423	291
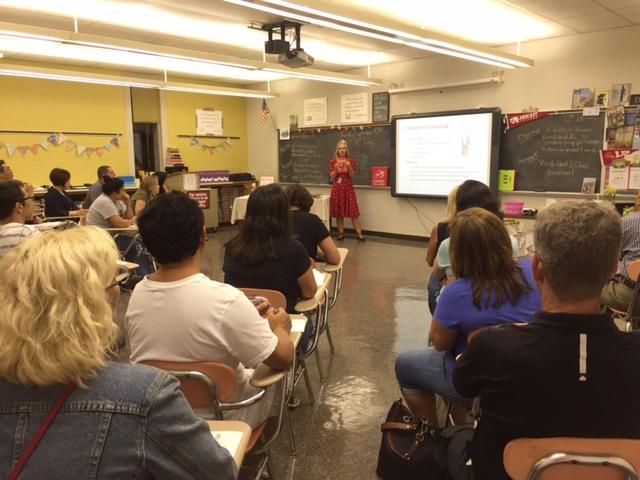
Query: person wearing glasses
117	420
16	208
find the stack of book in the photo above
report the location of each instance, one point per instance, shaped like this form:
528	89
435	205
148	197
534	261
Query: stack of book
173	156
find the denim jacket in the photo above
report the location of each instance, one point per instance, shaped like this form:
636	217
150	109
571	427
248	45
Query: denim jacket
131	423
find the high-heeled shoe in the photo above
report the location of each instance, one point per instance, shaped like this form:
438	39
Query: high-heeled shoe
361	237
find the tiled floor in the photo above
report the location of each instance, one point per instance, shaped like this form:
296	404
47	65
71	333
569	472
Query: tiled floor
381	311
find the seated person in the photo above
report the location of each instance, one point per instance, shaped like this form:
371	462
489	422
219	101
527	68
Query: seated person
308	229
56	201
264	254
570	372
6	174
96	189
618	290
178	314
162	178
16	208
118	420
148	190
112	209
489	290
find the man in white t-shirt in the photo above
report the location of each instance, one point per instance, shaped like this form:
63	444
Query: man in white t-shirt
178	314
16	208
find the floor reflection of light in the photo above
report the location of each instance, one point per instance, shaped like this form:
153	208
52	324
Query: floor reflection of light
352	405
412	318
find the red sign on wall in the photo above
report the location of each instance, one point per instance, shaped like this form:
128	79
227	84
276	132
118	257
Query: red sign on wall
203	197
379	176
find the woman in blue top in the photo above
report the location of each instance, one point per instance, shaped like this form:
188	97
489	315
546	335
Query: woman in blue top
491	288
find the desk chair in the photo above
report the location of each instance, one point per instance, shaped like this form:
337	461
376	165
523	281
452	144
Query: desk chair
336	271
631	317
565	458
208	386
317	308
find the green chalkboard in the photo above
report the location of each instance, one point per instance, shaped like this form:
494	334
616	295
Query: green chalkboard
554	153
304	158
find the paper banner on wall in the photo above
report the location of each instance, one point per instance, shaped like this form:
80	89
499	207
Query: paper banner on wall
194	141
52	139
100	151
34	148
115	141
80	149
10	149
71	145
90	151
23	149
107	147
44	145
61	138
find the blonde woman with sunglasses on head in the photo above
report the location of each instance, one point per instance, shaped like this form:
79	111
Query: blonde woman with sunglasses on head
100	419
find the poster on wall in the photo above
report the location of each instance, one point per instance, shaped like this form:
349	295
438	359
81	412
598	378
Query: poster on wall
315	111
209	122
380	107
354	108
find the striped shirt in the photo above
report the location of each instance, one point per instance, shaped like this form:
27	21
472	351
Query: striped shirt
12	234
630	249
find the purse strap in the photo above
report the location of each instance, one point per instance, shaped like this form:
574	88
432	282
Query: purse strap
33	444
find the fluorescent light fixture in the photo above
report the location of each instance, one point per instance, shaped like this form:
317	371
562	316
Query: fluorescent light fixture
224	67
410	37
65	76
165	21
495	80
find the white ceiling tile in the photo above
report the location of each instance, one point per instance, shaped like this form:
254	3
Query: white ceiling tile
595	22
554	9
632	14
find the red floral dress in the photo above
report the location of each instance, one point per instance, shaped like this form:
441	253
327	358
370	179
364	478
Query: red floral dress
343	195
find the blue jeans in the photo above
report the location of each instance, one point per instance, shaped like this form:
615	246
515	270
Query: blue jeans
425	370
433	290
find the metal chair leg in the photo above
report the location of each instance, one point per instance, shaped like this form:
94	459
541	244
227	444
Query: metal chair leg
319	363
329	338
307	380
292	441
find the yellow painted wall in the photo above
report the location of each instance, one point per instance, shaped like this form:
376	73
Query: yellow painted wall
181	120
31	104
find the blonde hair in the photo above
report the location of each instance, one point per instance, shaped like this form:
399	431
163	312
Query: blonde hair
147	184
338	144
56	322
452	208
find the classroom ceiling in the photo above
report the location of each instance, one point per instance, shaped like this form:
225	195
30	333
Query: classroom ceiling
215	26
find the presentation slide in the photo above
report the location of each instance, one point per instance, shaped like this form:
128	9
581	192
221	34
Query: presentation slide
434	154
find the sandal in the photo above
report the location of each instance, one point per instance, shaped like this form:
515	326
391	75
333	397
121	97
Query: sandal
361	238
341	236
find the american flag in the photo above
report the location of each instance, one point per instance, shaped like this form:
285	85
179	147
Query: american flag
265	112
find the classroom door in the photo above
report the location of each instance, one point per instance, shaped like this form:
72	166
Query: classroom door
146	146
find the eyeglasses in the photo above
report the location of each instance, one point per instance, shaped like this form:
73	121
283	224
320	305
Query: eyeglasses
122	275
28	198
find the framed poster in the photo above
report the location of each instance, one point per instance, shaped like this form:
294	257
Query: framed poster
380	107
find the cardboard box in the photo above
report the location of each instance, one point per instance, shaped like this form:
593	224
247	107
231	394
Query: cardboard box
379	176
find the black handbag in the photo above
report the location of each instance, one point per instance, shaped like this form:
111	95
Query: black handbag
408	448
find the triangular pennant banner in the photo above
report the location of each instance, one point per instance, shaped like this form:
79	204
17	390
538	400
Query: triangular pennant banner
194	141
10	150
80	149
115	141
107	146
61	138
23	149
44	144
90	151
100	151
52	139
34	148
71	145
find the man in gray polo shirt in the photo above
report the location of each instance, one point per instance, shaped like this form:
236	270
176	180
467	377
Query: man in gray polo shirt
16	207
96	189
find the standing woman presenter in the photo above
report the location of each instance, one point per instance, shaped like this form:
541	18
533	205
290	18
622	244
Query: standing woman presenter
342	168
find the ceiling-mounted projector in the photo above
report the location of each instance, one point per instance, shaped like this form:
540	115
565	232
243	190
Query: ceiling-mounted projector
291	57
